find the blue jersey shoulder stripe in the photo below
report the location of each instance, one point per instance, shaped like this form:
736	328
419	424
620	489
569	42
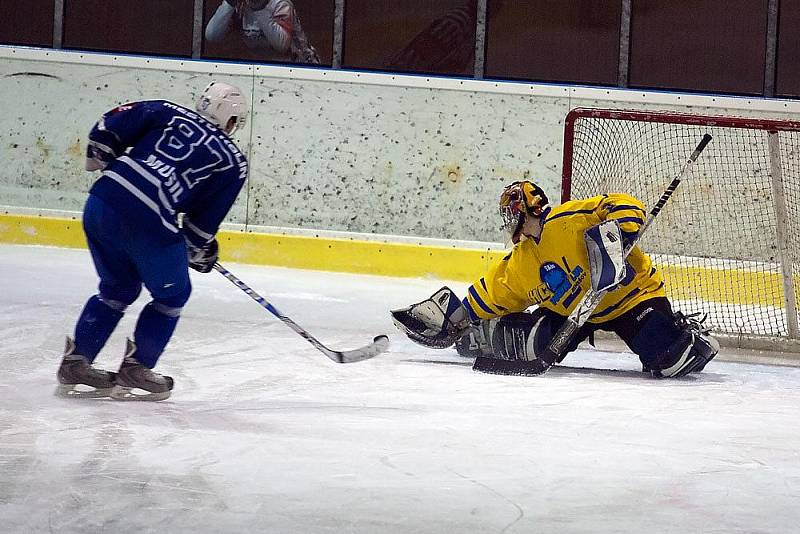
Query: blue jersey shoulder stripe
566	213
472	315
485	307
624	220
620	207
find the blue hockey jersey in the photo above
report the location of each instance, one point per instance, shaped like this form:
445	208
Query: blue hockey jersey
160	160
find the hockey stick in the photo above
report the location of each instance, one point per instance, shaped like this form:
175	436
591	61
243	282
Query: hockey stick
592	298
378	345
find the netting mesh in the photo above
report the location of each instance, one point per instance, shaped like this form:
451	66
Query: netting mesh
716	240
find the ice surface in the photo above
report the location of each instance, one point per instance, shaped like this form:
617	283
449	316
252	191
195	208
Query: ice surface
265	434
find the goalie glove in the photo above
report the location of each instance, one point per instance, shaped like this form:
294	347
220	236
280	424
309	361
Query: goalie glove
202	259
436	322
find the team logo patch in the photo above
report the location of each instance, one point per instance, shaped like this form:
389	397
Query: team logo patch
123	107
563	284
556	280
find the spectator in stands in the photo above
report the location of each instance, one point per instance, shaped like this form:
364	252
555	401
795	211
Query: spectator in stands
270	26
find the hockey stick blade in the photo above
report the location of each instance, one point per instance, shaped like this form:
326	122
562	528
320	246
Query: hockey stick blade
379	343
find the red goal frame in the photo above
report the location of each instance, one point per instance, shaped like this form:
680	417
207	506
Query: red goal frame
769	125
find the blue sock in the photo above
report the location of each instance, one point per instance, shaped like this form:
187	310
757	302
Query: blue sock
153	331
95	325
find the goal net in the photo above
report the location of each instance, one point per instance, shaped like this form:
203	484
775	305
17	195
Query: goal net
728	241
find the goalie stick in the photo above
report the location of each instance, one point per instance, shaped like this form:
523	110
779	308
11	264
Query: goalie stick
378	345
592	298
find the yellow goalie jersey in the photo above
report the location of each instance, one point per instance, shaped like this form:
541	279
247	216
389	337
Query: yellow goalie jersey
553	271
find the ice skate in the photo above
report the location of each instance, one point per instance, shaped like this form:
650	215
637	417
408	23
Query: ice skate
134	381
77	377
706	346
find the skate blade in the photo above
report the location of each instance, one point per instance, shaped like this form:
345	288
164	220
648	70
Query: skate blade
81	391
135	394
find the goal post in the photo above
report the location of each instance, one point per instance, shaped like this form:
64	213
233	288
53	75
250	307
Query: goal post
728	243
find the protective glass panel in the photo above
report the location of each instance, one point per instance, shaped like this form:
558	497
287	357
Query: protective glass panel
411	36
546	40
155	27
788	67
711	46
27	23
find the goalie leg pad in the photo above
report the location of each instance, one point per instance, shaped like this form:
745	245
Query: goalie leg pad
514	336
436	322
548	328
513	350
673	345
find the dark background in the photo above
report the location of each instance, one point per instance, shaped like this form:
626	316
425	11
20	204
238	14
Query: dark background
554	41
27	23
155	27
709	46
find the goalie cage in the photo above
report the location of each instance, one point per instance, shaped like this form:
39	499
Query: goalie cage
728	242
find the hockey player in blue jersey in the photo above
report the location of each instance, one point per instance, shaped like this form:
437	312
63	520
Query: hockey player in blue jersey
169	177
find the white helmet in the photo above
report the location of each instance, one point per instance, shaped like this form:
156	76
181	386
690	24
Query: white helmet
222	103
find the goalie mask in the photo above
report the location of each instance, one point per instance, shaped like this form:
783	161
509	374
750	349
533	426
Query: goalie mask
224	105
518	201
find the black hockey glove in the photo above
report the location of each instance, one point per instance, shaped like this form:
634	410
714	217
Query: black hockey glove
202	259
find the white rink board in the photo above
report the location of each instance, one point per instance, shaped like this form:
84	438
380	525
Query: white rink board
329	150
265	434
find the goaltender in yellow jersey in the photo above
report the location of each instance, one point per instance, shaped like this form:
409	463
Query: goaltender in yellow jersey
551	269
548	270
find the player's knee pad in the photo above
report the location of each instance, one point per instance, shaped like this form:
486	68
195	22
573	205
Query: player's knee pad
164	309
175	300
119	297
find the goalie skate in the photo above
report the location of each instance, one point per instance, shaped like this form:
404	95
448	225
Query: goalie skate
134	381
77	377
